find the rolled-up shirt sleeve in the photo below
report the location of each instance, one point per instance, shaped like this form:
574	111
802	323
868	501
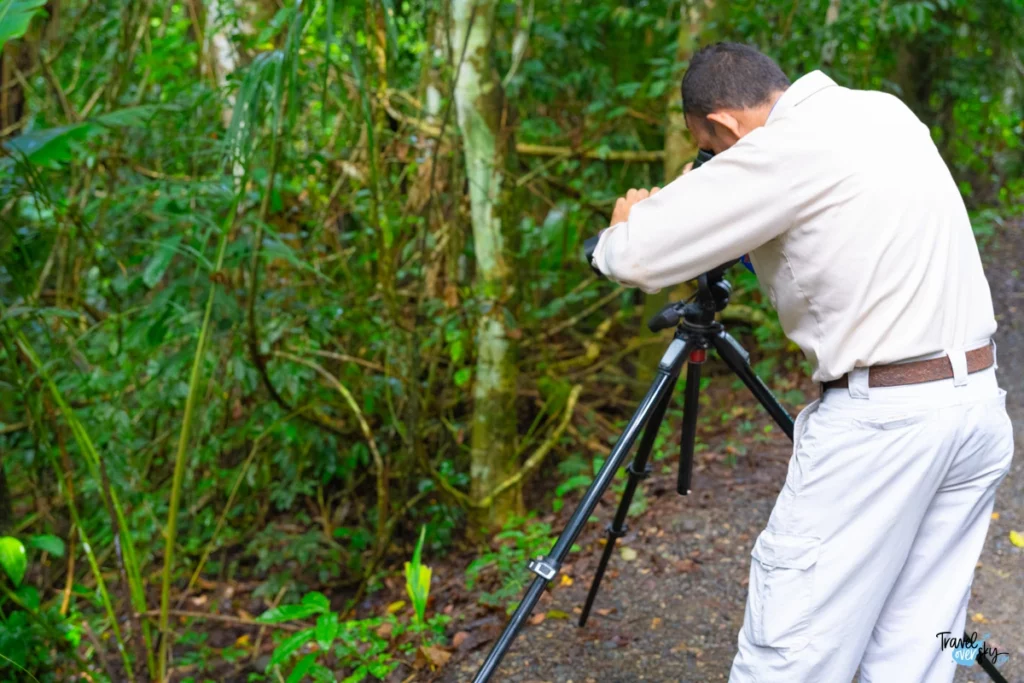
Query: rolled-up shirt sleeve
731	205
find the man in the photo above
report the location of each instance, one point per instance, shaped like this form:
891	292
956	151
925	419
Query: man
859	237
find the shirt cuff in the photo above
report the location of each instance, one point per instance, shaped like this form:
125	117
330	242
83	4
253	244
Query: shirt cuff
600	260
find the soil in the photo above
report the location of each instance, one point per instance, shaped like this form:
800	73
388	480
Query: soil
671	605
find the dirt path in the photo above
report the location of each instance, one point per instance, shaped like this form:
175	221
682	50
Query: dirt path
672	611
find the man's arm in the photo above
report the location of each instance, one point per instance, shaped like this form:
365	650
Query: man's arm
728	207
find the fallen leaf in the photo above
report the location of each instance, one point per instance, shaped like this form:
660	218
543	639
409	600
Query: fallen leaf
384	630
628	554
538	618
686	566
395	606
995	515
655	623
1017	539
979	618
242	640
566	580
557	614
434	655
459	638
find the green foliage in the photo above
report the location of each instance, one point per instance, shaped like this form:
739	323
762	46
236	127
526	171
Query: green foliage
33	637
504	567
417	580
360	648
15	16
12	559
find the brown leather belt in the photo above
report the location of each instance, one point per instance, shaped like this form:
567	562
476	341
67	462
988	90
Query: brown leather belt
919	371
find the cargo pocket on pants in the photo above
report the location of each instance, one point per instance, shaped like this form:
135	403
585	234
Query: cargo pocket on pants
781	590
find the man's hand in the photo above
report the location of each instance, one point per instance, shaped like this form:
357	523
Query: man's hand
624	204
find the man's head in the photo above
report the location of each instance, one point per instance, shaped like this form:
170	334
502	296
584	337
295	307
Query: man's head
728	91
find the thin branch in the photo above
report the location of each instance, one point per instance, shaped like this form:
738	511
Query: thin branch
535	460
529	149
344	357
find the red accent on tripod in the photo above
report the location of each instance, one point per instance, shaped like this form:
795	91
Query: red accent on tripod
698	355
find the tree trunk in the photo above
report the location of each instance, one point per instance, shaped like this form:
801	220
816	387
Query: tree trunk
479	103
828	51
223	57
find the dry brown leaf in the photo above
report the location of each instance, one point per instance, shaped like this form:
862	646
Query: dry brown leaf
538	618
434	655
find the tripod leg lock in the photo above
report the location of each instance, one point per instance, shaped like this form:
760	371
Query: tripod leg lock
639	474
544	568
614	533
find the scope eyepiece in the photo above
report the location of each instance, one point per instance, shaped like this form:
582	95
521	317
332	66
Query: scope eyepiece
589	246
703	156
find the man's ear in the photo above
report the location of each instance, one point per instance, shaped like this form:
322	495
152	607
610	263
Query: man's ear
726	121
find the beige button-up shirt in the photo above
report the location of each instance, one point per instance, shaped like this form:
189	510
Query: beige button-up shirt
854	225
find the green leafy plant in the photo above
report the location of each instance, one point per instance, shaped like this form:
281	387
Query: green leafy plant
15	16
417	580
12	559
361	648
503	567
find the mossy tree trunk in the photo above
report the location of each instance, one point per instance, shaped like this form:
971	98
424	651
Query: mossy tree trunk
487	146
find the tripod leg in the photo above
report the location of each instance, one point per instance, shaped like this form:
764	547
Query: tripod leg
738	360
547	567
691	407
639	469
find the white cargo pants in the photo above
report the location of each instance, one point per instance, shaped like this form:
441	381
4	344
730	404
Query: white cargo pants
871	547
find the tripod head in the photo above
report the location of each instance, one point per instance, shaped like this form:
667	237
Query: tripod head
712	296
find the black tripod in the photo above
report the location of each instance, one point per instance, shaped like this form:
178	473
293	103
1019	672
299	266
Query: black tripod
696	331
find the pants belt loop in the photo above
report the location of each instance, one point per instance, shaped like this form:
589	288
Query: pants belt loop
995	358
859	383
958	359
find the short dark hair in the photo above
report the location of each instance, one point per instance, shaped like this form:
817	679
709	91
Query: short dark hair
729	76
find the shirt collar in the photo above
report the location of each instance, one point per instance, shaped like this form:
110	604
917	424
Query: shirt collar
804	87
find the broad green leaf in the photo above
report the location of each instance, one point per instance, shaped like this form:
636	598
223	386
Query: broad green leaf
15	16
317	599
302	668
129	117
462	376
289	646
48	544
48	145
285	613
12	559
357	675
326	630
160	261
